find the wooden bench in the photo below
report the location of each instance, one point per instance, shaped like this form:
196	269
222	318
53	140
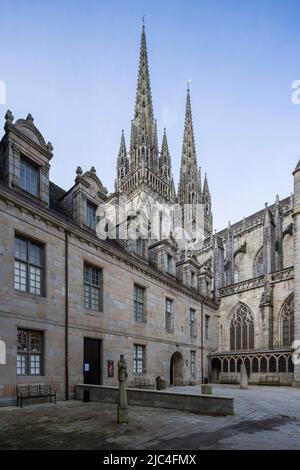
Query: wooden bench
269	380
229	379
140	382
34	391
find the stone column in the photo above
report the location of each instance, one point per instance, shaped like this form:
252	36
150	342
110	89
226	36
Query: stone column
218	263
296	234
122	410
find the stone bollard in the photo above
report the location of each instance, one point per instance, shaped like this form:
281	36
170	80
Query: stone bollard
122	410
243	377
207	389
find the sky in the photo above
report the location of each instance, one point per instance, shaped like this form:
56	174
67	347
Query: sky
73	65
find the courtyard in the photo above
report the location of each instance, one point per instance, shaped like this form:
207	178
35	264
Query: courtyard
265	418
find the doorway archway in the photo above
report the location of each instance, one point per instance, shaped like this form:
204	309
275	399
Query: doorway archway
176	369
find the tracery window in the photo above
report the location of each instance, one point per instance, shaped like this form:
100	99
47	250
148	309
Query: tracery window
242	329
259	268
287	322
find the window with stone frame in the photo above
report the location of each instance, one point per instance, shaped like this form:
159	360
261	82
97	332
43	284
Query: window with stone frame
91	210
29	266
287	322
30	352
206	326
139	303
193	323
29	176
242	329
93	288
169	315
139	359
193	363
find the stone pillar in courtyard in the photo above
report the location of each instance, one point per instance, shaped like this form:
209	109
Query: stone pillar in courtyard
296	236
122	411
243	377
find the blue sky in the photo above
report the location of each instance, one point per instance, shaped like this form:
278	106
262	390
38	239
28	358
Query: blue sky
73	66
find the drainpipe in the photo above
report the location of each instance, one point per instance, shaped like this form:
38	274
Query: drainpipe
66	316
202	370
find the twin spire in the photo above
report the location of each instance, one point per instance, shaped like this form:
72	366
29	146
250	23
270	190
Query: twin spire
144	161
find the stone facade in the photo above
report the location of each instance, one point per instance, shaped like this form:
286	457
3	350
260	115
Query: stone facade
186	315
254	270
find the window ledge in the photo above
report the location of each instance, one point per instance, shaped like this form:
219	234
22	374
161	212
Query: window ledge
30	295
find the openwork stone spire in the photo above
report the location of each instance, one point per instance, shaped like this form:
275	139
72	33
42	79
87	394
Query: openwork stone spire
189	184
143	101
144	169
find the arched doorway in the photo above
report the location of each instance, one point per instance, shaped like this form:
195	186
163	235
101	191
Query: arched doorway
176	369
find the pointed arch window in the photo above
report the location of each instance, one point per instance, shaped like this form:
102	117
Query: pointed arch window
258	267
242	329
287	322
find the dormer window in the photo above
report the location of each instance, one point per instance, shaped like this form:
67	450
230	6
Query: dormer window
193	280
29	177
91	215
139	247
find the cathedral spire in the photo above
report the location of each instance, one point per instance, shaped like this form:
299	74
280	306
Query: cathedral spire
143	101
143	167
189	183
188	147
122	162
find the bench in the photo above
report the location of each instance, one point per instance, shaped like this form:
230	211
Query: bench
269	380
229	379
34	391
140	382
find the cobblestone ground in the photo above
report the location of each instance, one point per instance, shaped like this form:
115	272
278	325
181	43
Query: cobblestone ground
265	418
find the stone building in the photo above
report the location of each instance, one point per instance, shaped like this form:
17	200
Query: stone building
254	287
73	300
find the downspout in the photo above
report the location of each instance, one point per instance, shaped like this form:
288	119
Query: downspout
202	342
66	316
